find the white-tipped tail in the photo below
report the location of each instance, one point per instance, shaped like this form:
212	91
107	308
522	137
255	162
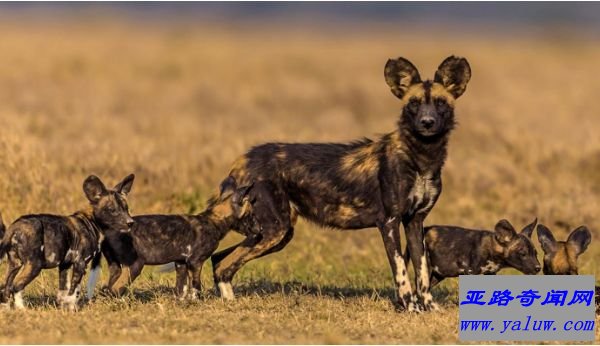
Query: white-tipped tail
169	267
92	280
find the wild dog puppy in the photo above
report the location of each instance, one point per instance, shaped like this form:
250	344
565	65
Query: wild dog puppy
393	180
455	251
43	241
560	257
186	240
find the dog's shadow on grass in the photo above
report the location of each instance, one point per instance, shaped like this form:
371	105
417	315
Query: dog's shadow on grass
265	288
260	288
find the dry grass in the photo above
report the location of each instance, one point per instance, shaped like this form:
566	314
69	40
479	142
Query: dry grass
177	104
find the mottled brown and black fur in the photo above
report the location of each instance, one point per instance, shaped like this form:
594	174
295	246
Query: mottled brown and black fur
454	251
560	257
186	240
43	241
393	180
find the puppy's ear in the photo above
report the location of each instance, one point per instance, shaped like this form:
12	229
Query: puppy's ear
125	185
504	232
546	239
399	75
454	73
579	239
227	188
528	230
94	188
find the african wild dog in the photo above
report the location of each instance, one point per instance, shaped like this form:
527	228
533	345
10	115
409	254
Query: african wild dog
186	240
384	182
560	257
43	241
454	251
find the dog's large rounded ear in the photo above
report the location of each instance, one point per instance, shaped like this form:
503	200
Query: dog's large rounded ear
399	75
579	239
125	185
546	239
453	73
94	188
227	188
528	230
504	232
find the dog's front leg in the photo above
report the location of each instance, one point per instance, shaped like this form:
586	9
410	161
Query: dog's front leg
71	300
390	233
418	256
63	283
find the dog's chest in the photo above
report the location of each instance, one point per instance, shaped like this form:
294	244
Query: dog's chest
423	193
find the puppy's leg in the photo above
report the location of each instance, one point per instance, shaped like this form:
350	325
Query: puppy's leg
29	272
63	283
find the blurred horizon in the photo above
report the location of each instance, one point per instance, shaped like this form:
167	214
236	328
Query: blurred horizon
581	20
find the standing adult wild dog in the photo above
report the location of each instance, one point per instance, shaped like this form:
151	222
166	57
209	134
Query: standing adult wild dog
394	179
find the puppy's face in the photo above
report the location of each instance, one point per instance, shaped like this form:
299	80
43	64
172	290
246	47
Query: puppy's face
518	248
110	206
560	257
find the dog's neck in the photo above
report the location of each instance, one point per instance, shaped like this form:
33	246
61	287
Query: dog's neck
428	153
86	217
493	250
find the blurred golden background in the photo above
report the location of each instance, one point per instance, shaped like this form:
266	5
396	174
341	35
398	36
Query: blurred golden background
174	93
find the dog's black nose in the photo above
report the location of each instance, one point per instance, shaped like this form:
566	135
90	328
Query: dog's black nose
427	122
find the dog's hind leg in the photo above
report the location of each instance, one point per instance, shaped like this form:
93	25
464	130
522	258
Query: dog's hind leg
14	265
29	271
219	256
195	277
251	248
181	281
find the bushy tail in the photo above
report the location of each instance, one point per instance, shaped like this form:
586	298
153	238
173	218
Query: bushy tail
94	274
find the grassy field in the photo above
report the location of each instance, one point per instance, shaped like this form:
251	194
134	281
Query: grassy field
177	104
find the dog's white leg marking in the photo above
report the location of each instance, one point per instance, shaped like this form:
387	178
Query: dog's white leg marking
194	294
226	290
70	301
184	293
424	289
403	283
19	300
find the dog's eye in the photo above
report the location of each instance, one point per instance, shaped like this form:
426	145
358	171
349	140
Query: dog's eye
413	103
440	103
